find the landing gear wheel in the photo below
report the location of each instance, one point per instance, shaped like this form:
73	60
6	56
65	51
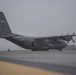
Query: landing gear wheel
33	50
60	49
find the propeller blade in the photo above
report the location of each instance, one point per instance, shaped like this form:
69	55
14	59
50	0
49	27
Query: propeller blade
73	40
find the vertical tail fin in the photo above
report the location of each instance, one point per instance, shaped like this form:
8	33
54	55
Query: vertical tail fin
4	27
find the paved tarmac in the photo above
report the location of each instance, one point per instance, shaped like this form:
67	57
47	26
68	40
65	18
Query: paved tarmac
53	60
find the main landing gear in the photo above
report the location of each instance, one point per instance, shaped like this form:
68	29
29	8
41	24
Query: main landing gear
60	49
39	50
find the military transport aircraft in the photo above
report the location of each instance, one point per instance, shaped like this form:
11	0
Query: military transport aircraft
35	44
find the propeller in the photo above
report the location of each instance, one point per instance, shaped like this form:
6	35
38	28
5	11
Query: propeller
73	40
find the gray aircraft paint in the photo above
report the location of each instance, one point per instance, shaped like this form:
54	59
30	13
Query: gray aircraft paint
39	18
35	44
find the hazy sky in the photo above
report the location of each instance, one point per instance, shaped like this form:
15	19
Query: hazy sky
39	17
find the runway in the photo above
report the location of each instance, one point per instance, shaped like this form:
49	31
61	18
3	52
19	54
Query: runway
59	62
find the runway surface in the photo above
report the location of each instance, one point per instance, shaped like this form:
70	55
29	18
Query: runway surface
59	62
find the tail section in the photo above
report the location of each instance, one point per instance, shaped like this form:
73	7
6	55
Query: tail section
4	27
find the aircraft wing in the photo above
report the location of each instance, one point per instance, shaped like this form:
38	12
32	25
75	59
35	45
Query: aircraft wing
63	37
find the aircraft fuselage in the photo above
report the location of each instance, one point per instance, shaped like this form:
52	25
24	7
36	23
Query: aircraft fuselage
31	43
39	43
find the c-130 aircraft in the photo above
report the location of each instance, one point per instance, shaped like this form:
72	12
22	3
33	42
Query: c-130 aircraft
33	43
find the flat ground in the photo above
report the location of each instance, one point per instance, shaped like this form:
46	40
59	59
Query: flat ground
53	60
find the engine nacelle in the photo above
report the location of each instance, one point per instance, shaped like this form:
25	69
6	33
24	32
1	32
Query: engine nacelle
67	38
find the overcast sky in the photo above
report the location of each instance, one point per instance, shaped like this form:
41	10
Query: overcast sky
39	18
